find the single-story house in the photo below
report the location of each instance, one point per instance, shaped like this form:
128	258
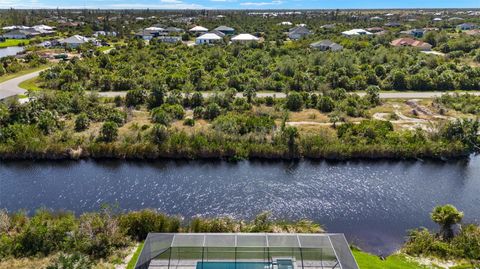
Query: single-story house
44	29
208	38
146	34
356	32
220	34
154	29
466	26
418	33
198	30
375	29
410	42
75	41
285	23
173	30
169	39
21	34
325	45
298	32
393	24
376	18
225	30
245	38
437	19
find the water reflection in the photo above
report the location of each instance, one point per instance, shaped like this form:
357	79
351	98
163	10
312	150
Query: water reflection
374	203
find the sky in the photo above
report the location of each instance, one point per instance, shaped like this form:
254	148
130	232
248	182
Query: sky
239	4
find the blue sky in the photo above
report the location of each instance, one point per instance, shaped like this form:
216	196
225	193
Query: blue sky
239	4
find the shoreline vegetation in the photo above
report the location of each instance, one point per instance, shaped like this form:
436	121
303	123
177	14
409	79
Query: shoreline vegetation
165	115
103	239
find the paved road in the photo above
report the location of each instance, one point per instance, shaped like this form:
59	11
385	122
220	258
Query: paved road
10	87
383	95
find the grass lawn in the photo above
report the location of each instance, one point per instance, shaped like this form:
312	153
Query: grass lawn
22	72
14	42
369	261
131	263
30	84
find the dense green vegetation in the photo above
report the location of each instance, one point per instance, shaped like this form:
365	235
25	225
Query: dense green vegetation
466	103
465	244
261	67
54	125
93	236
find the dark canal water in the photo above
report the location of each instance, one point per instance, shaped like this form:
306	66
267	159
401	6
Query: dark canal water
373	203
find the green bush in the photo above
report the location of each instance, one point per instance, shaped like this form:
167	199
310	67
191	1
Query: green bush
82	122
109	132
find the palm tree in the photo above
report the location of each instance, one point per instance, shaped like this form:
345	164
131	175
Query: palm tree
446	216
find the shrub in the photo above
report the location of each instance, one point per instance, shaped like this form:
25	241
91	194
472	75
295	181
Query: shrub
189	122
109	132
294	102
159	133
135	98
82	122
325	104
211	111
161	116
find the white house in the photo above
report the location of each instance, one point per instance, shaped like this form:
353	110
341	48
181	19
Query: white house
75	41
199	30
245	38
208	38
356	32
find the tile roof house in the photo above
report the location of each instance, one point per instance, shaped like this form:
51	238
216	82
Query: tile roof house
410	42
298	32
325	45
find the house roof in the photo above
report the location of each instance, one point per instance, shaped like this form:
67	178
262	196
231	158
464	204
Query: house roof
245	37
326	43
466	24
322	43
217	32
173	29
299	30
154	28
224	28
198	29
76	39
410	42
356	32
209	36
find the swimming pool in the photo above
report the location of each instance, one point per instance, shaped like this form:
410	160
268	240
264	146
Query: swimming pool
233	265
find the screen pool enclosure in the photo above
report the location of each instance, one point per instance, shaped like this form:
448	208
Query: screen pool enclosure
245	251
